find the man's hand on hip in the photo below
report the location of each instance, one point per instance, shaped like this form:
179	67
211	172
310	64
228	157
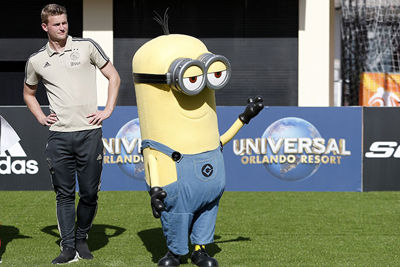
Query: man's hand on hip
98	117
48	120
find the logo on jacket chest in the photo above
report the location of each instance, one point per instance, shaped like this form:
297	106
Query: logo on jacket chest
74	59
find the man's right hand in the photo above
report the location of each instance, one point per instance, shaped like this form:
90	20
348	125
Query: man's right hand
157	195
34	107
49	120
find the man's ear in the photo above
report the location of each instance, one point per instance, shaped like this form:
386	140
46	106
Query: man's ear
44	27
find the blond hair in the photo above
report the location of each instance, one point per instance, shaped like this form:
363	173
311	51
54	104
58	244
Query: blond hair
52	10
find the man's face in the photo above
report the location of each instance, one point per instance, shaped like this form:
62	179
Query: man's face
56	27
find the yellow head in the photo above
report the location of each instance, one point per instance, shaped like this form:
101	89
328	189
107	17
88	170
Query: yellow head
173	75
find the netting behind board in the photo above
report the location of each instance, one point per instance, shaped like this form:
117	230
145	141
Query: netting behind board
370	52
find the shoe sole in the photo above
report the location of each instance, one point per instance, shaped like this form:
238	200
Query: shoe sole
81	258
71	261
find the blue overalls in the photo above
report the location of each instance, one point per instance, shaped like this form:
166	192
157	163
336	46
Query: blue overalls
191	205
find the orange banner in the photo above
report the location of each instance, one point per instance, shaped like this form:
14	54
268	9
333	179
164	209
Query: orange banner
380	89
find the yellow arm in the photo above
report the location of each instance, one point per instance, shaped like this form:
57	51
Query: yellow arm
160	169
154	178
151	168
228	135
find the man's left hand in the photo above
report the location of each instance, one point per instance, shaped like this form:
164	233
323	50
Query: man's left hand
98	117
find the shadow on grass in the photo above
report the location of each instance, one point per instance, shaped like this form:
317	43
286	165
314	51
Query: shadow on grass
98	237
7	234
154	241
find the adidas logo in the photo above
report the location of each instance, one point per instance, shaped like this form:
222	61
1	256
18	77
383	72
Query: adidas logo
46	65
9	140
10	148
99	157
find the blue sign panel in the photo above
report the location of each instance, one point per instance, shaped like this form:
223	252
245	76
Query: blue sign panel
122	164
282	149
295	149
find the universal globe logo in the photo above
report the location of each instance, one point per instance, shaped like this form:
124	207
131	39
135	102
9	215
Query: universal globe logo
124	150
291	149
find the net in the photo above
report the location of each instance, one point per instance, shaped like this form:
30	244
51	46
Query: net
370	52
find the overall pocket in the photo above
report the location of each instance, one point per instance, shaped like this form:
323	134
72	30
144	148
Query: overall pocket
206	169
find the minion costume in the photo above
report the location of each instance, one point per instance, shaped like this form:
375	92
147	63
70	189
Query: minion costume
192	201
175	77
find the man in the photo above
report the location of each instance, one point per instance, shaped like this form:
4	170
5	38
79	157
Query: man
67	69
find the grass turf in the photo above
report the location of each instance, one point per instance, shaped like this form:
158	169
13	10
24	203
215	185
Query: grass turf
253	229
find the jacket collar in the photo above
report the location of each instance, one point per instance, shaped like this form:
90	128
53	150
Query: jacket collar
68	47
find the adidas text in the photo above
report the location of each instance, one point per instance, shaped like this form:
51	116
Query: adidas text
18	166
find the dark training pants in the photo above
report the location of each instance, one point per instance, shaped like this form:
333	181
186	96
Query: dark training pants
71	154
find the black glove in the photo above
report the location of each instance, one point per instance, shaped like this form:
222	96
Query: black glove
157	195
254	107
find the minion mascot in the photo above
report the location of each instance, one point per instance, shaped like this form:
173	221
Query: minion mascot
175	77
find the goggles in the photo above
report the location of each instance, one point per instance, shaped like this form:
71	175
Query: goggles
190	76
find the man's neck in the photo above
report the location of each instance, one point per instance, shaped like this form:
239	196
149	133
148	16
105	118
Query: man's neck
58	45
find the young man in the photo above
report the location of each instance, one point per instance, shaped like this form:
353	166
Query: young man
67	68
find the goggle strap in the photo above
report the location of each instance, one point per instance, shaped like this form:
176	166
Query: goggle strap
150	78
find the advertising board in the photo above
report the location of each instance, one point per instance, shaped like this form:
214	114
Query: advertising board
22	144
381	166
282	149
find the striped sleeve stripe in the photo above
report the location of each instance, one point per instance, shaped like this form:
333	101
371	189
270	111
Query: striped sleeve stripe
95	45
26	64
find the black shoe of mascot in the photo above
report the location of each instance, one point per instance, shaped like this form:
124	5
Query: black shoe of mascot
202	259
170	259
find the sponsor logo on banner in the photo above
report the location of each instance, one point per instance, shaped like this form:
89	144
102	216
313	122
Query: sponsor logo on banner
124	150
383	149
13	159
380	89
291	149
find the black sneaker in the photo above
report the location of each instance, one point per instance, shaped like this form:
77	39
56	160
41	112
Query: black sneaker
67	255
170	259
202	259
83	249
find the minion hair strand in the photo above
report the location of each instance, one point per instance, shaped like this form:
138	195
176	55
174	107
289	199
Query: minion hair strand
162	21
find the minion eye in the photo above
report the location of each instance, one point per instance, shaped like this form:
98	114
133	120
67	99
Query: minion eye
193	83
217	78
218	70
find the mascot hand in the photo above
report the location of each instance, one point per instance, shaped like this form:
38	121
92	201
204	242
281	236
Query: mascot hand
254	107
157	195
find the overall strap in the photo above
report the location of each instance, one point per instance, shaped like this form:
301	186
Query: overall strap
175	155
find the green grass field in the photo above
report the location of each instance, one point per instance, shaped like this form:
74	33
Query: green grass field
253	229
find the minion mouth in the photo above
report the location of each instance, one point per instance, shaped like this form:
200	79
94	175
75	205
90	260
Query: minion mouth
194	115
193	108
